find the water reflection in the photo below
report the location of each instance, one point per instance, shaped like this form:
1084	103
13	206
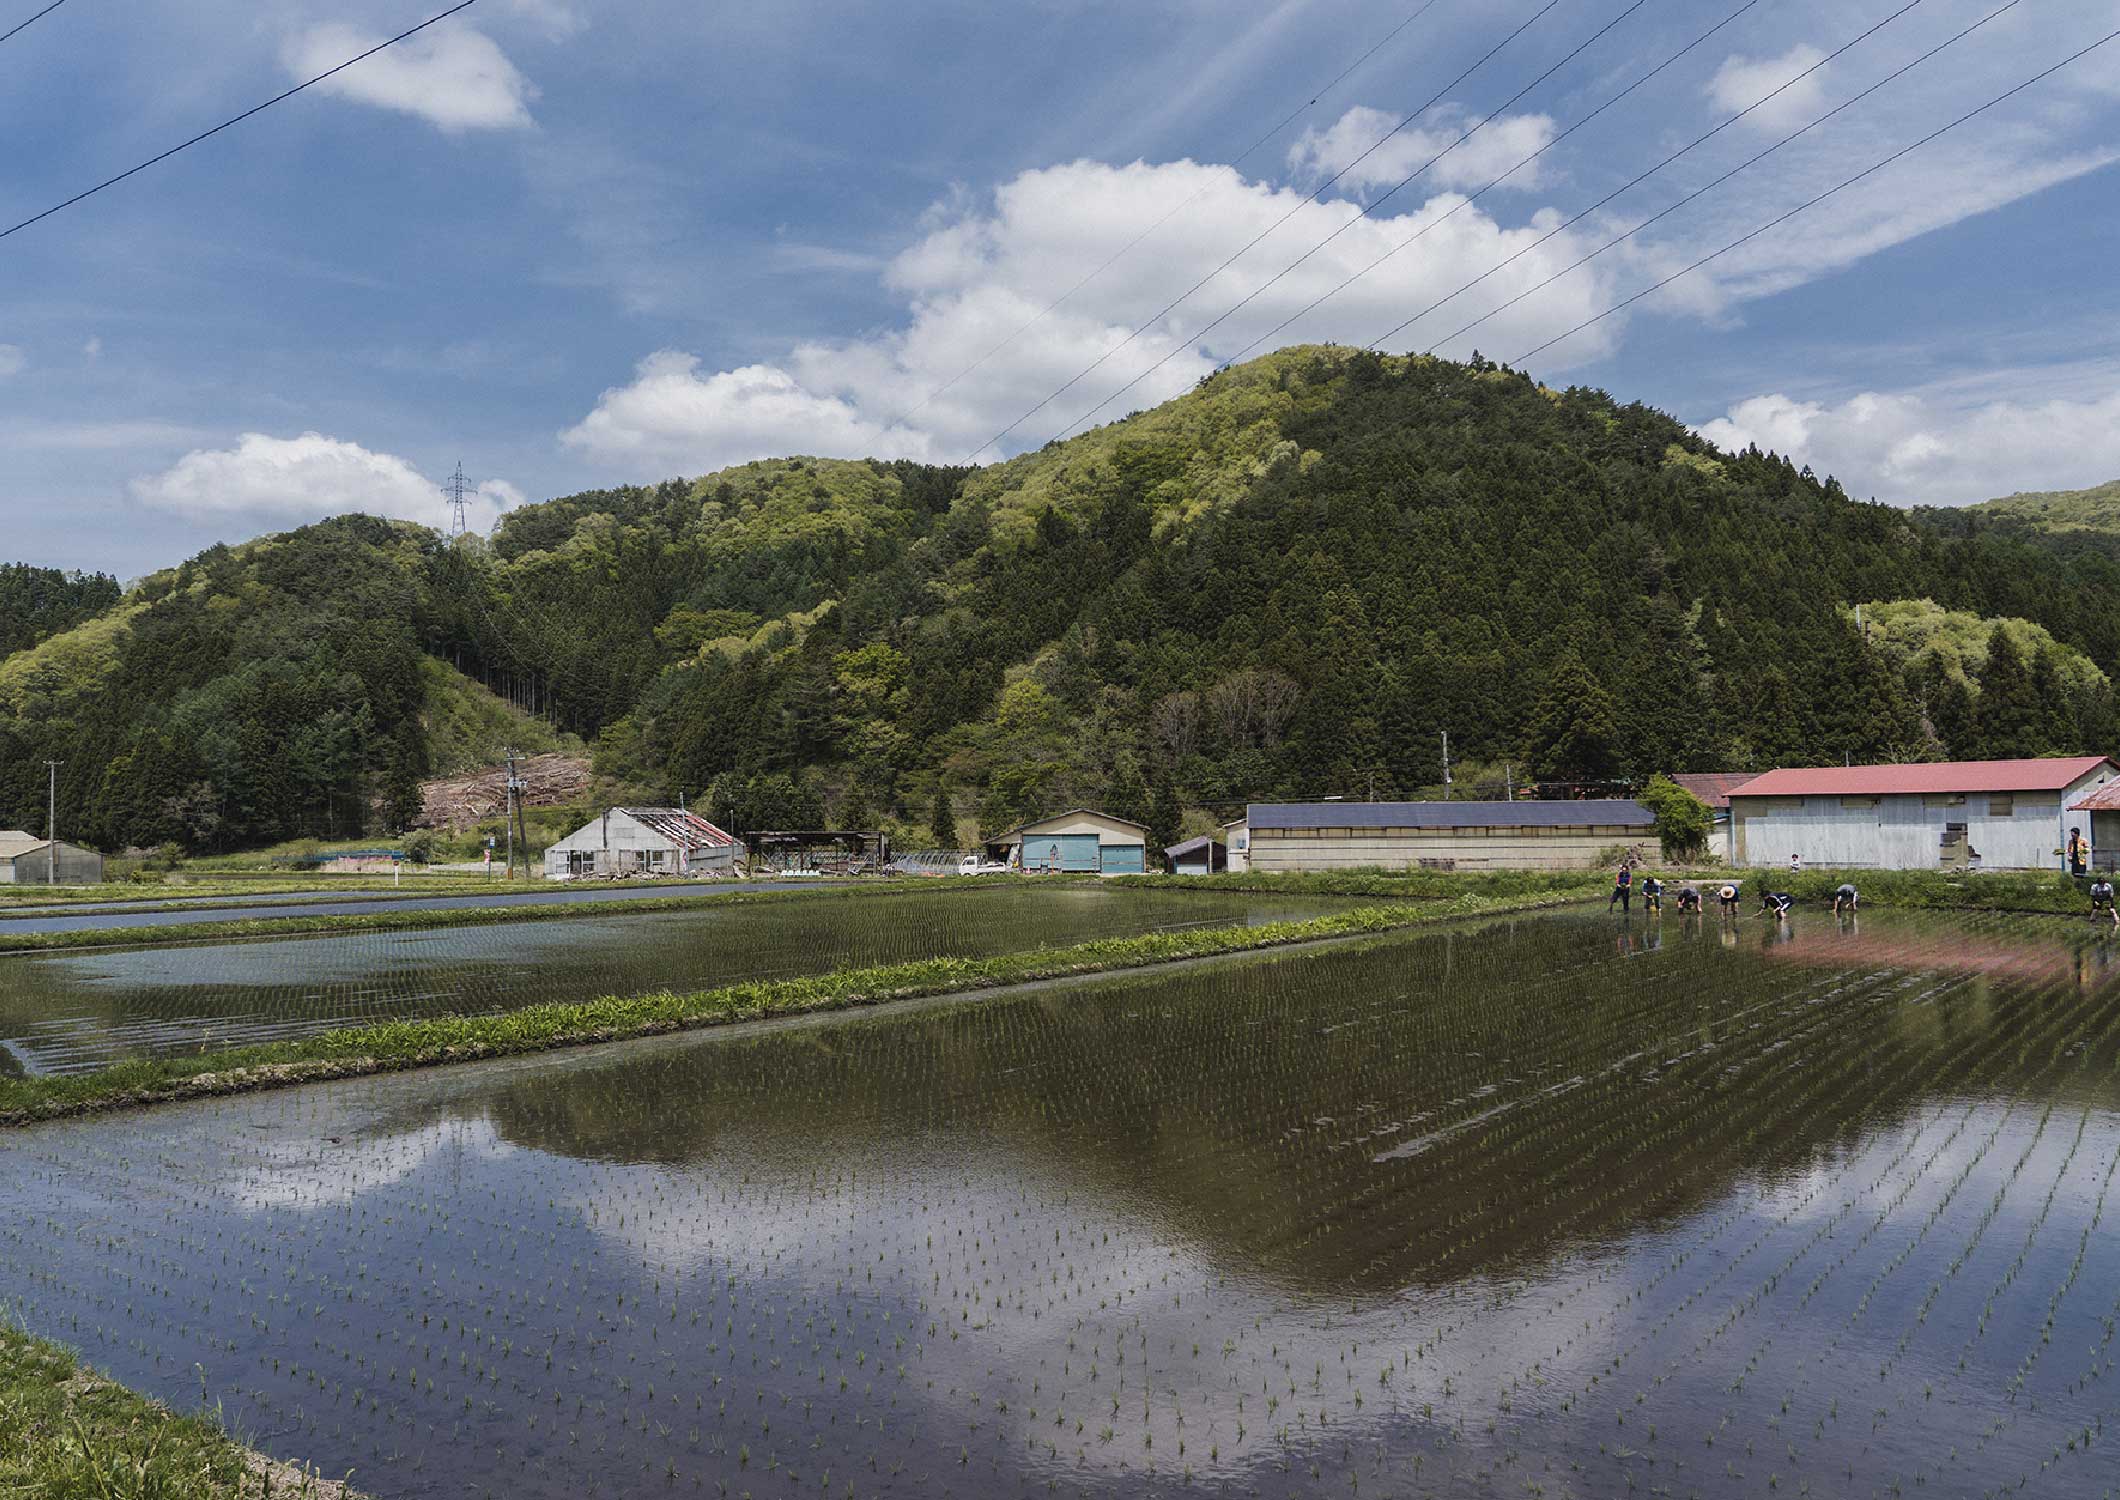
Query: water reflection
1489	1211
77	1012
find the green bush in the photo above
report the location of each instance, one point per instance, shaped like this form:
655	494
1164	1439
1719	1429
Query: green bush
1683	821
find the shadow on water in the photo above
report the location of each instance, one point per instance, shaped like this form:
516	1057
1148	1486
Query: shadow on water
1562	1204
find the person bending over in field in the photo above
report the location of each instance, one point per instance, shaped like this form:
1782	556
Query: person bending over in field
1726	898
1845	899
1652	893
2102	900
1688	899
1622	888
1777	902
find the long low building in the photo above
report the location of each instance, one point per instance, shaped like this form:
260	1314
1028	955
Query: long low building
1522	835
643	841
26	859
1081	841
1978	814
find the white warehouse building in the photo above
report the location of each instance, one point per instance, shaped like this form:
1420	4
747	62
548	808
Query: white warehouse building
642	841
1949	815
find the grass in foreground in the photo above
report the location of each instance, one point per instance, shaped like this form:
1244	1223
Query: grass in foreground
67	1434
423	1043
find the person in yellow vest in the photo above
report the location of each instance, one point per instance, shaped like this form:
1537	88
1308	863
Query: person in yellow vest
2079	853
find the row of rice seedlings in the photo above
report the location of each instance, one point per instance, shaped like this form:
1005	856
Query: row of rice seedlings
992	1294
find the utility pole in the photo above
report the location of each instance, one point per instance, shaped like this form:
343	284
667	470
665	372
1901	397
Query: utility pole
457	489
510	815
51	824
1509	780
1446	765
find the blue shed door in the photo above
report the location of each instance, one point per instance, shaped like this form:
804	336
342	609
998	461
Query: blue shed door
1073	853
1125	859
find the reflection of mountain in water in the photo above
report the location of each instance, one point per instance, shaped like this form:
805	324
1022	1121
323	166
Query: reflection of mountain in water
1415	1109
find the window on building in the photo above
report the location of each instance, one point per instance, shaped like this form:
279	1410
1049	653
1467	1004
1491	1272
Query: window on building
1857	804
1943	799
2001	805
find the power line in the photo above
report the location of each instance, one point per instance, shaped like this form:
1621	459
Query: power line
1169	307
235	120
33	20
1625	187
1497	181
1639	178
1897	73
1841	186
1249	297
1236	161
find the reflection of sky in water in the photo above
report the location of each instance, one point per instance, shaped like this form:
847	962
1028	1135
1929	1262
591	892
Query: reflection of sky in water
1108	1235
71	1012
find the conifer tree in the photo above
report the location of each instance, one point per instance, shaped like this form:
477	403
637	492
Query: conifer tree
942	820
1574	731
2007	716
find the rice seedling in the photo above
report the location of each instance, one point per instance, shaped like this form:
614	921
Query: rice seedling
1498	1208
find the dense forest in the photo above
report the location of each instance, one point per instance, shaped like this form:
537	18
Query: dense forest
1291	582
36	603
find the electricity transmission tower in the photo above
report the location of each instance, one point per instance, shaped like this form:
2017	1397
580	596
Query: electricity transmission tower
457	489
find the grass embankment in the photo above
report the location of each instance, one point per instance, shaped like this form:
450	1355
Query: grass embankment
2044	891
2047	892
1393	885
307	895
398	1045
427	917
67	1434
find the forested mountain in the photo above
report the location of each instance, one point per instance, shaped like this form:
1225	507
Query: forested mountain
1291	581
40	602
2095	511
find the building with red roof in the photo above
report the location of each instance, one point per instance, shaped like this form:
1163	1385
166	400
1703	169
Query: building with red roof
1965	814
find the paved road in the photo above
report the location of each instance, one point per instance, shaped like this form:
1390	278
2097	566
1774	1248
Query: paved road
101	916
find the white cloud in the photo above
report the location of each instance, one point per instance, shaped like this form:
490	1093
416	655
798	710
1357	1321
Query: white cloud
1499	145
93	349
302	479
1742	81
554	17
671	419
13	360
984	269
1923	448
452	76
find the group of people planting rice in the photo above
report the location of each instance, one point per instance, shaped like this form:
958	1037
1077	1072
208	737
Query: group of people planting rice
1728	896
1846	898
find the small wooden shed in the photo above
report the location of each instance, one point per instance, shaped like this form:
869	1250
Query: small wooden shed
1200	856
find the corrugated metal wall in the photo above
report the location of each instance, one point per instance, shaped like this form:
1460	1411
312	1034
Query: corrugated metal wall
77	866
1459	848
1903	832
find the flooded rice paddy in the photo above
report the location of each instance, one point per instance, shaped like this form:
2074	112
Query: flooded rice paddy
74	1012
1544	1206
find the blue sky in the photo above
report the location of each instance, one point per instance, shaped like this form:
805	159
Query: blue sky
577	245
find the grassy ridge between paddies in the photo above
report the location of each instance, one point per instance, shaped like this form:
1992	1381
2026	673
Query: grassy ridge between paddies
2047	892
68	1434
420	918
398	1045
382	899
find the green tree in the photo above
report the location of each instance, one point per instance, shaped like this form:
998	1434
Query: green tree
1574	732
1166	817
2009	719
942	820
1683	821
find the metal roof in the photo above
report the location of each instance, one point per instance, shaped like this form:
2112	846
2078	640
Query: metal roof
1023	828
1619	811
1190	845
2105	799
14	841
2046	774
686	830
1714	787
